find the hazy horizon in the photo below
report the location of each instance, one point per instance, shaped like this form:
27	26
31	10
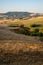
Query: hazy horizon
35	6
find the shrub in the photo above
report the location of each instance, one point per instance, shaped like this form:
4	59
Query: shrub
34	34
36	30
26	32
41	34
35	25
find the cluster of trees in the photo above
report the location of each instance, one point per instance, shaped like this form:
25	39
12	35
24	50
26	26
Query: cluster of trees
27	31
35	25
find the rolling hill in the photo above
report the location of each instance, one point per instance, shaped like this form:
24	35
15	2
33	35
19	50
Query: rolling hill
18	15
19	49
6	34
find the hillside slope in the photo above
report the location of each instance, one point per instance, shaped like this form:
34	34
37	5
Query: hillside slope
17	49
6	34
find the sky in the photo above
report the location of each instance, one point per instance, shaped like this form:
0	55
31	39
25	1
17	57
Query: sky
21	5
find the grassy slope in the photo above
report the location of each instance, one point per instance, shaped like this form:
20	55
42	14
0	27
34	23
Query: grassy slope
11	43
20	53
6	34
7	37
28	22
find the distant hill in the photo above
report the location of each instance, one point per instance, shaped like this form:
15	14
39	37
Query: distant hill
18	15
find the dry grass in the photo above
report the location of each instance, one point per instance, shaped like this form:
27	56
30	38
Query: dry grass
20	53
21	49
38	20
15	46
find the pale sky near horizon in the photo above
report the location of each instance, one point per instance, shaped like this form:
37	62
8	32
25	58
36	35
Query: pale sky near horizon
21	5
